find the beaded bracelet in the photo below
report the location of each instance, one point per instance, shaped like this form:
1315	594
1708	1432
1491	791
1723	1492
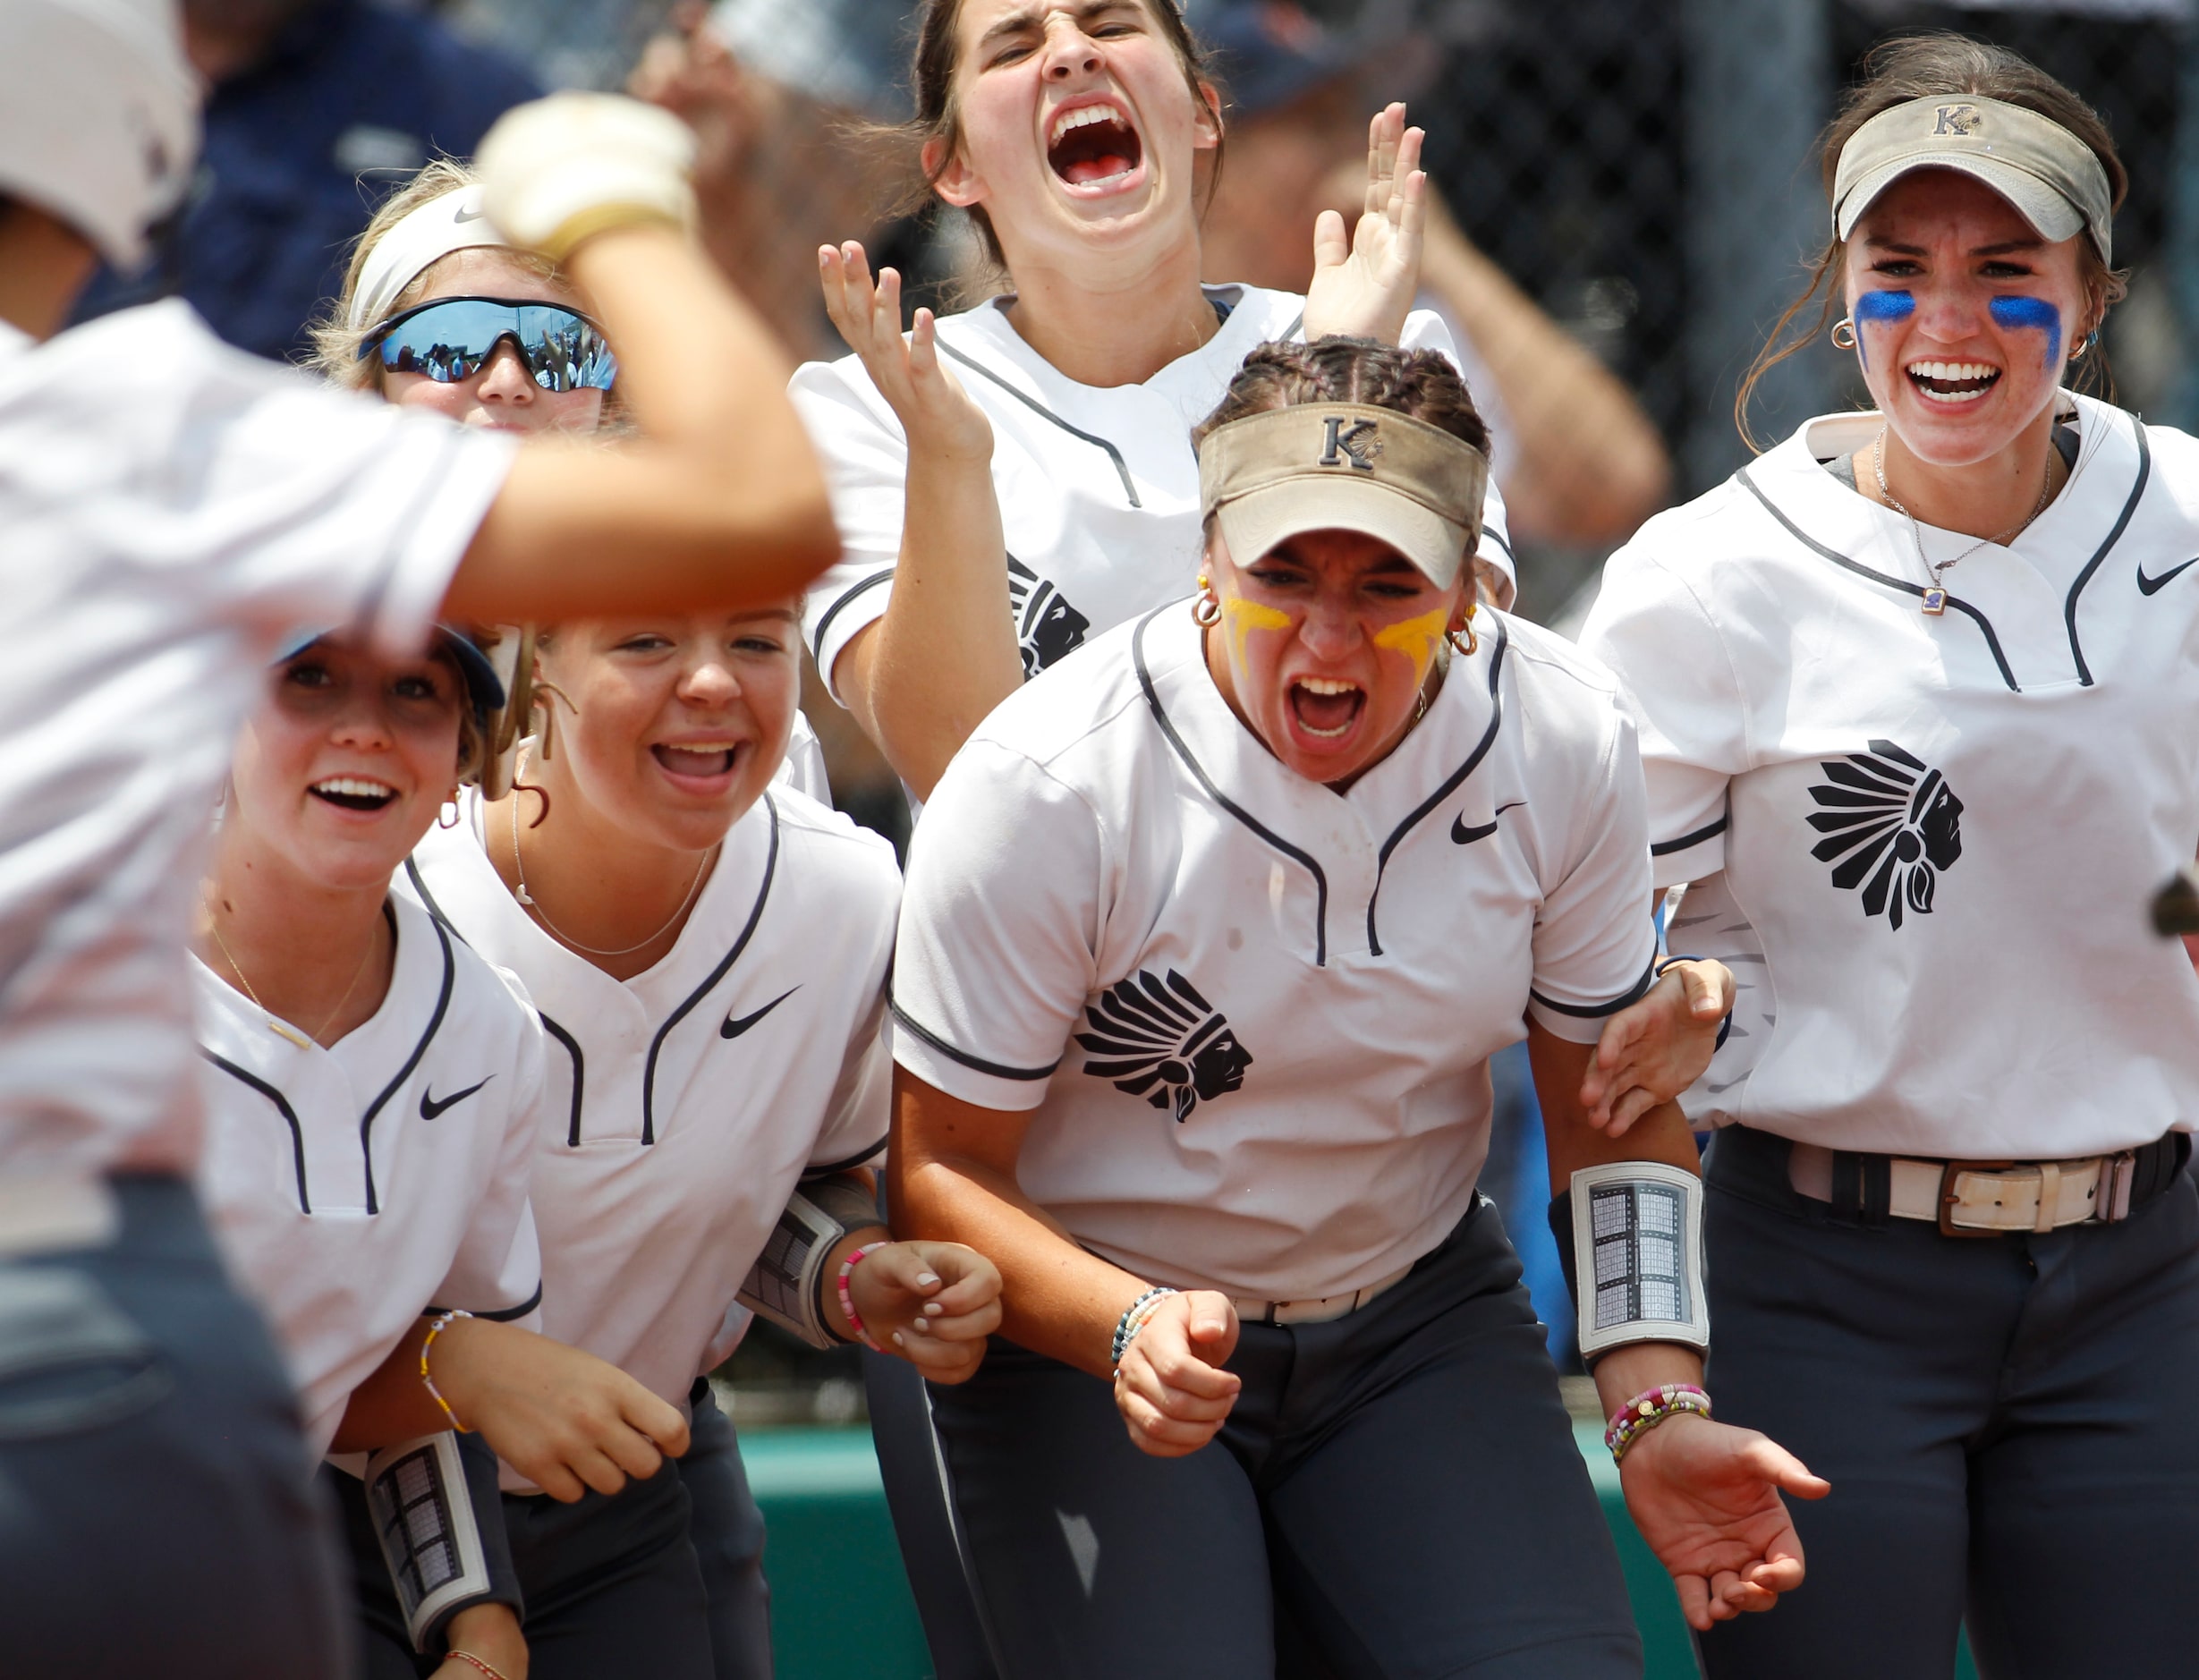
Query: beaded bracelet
847	1296
454	1655
1650	1408
1132	1320
442	1323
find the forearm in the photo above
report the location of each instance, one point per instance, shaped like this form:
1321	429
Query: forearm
945	653
1587	464
1057	1298
393	1404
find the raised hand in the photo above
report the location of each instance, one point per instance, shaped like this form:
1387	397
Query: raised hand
935	411
933	1304
1706	1497
1655	1049
1170	1388
1365	277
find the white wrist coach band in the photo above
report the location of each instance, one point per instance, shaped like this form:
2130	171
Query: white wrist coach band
1637	1253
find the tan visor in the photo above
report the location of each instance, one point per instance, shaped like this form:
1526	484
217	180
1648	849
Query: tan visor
2054	180
1344	466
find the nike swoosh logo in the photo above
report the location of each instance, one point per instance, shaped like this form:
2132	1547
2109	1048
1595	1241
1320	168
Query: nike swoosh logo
429	1107
734	1029
2148	586
1463	836
466	216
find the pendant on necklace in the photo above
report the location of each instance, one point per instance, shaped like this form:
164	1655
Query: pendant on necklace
284	1029
1935	601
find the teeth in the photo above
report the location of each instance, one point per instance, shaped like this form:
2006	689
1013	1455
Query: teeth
354	788
1326	734
1327	685
1084	116
1952	370
701	746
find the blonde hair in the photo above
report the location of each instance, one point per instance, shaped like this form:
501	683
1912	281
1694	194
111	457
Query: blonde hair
335	355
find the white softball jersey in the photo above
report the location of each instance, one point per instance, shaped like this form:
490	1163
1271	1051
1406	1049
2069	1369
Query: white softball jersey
682	1106
353	1188
1927	844
172	506
1098	486
1250	1017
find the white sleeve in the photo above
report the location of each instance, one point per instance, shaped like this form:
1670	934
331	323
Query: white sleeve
1678	681
998	924
497	1271
866	461
1426	329
321	508
1594	942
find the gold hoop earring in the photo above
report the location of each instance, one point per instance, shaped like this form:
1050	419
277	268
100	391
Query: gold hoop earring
2088	340
1843	325
544	690
454	815
1471	644
1206	610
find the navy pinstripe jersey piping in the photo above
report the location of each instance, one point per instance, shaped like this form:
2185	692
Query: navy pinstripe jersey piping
579	1070
1708	831
435	1024
1589	1012
1450	782
2114	535
999	1070
1122	470
500	1315
1182	752
281	1106
1992	641
884	574
657	1044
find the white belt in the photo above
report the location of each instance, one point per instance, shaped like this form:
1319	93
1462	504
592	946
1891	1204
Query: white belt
1319	1310
1987	1197
44	1214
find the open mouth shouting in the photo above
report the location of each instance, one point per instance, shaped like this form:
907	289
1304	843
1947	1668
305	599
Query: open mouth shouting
1952	383
1326	707
353	792
1093	148
697	760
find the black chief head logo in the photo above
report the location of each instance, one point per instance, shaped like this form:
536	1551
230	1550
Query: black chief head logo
1892	824
1046	625
1159	1039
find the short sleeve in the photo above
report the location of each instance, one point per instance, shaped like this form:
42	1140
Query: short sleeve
998	924
1594	942
497	1271
866	460
1677	682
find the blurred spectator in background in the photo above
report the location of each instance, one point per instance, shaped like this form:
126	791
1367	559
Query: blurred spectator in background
1577	460
315	109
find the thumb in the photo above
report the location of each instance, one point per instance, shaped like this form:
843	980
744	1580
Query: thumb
1331	245
1708	988
1781	1467
1212	1328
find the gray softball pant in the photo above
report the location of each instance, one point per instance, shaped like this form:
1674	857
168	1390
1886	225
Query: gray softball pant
1397	1493
2007	1423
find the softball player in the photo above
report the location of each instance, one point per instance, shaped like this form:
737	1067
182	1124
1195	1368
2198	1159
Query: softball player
1917	708
1048	423
1211	1086
367	1138
708	954
172	507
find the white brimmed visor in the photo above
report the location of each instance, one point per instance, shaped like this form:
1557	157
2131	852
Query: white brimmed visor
1344	466
2055	180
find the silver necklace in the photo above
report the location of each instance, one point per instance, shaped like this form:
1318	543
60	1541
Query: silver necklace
519	867
1935	593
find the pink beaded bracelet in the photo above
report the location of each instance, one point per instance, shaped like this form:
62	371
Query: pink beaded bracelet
847	1296
1650	1408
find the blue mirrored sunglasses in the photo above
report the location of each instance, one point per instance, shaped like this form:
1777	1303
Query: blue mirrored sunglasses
451	339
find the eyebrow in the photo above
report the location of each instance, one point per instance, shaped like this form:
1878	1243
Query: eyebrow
1023	22
2000	250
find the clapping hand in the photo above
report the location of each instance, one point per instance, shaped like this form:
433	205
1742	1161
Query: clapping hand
1365	277
1655	1049
936	413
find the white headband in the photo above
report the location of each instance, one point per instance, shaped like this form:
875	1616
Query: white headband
99	116
421	237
